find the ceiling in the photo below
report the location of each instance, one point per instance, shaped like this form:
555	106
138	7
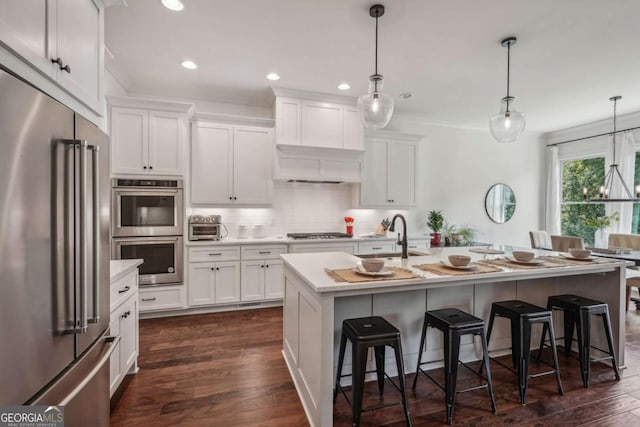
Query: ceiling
571	55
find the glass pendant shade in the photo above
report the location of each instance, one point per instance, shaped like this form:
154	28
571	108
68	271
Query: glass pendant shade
508	125
375	108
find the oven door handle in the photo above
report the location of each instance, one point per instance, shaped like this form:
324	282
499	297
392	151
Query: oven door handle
145	240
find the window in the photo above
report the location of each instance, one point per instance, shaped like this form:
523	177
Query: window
635	219
576	175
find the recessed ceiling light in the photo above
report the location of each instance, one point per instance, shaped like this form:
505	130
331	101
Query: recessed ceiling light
189	65
344	86
405	95
273	76
175	5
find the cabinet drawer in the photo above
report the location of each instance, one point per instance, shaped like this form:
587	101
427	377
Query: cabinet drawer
214	253
263	252
418	243
376	247
349	248
121	289
161	298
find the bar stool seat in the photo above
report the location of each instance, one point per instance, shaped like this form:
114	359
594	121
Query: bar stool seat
364	333
454	324
522	316
577	310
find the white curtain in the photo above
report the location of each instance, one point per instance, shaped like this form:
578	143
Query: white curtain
554	192
626	162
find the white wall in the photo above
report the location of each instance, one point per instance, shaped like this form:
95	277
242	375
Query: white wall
460	165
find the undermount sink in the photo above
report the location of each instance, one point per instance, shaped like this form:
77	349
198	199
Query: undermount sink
389	254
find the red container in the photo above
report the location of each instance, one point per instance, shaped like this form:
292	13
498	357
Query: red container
350	229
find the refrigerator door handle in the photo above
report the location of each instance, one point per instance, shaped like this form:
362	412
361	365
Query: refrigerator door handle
96	234
84	321
113	343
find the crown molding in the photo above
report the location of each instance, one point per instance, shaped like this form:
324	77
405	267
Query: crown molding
151	104
313	96
232	119
392	134
624	121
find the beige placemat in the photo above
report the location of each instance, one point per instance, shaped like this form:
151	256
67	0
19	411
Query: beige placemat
487	251
503	262
566	261
443	270
348	275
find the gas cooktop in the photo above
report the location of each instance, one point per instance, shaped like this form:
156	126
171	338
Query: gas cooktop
322	235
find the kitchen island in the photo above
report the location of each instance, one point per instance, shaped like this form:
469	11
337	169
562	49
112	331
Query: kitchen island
315	306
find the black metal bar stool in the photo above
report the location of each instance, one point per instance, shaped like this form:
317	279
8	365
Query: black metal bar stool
364	333
454	324
522	316
578	310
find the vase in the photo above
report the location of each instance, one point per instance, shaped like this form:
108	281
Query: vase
601	238
436	239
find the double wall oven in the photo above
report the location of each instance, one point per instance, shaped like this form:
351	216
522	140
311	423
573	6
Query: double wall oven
147	223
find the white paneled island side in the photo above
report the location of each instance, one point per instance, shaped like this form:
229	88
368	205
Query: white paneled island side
315	306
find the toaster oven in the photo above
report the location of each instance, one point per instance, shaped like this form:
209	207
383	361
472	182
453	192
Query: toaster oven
205	227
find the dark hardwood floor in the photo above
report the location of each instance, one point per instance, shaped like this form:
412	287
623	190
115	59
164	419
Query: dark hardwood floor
226	369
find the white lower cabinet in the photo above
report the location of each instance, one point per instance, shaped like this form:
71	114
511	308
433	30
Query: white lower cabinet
262	280
214	283
387	246
160	298
124	323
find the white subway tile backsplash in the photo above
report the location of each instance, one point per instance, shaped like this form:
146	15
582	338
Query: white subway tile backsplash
305	207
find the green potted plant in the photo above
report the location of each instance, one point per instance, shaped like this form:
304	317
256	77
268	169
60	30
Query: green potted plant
464	235
600	225
435	221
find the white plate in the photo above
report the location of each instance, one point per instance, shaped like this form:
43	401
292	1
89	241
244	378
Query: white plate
569	256
535	261
470	266
386	271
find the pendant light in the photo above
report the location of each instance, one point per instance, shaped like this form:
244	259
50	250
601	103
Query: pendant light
605	192
375	108
508	125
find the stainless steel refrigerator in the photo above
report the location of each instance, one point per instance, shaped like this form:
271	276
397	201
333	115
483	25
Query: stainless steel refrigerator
54	256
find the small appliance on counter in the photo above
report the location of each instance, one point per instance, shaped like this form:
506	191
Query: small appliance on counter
205	227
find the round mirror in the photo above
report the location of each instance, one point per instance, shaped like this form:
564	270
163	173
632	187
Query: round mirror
500	203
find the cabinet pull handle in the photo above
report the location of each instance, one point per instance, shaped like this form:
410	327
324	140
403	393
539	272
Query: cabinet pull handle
264	252
61	65
149	299
377	248
215	254
123	290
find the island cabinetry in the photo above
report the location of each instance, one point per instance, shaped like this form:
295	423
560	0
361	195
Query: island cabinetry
214	275
124	323
262	276
61	39
231	164
161	298
147	142
390	171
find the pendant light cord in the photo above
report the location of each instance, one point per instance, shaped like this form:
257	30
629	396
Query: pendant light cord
376	56
615	103
508	71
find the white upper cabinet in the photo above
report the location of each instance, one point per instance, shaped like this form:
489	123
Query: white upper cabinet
147	142
63	40
322	125
231	164
318	124
390	171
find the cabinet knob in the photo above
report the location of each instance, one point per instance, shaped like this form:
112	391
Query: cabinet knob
230	198
235	198
267	265
144	167
150	167
212	268
217	268
66	68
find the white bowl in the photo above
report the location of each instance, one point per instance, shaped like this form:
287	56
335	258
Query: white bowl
580	253
373	265
524	256
459	260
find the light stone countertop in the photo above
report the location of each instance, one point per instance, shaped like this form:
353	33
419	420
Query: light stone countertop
311	268
287	241
121	267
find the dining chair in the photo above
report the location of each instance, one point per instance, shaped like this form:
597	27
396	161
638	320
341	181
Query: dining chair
540	240
630	241
564	243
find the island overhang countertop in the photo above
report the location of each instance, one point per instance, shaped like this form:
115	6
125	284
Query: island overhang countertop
311	268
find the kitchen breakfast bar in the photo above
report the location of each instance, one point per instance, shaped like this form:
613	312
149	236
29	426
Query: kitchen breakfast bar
315	304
